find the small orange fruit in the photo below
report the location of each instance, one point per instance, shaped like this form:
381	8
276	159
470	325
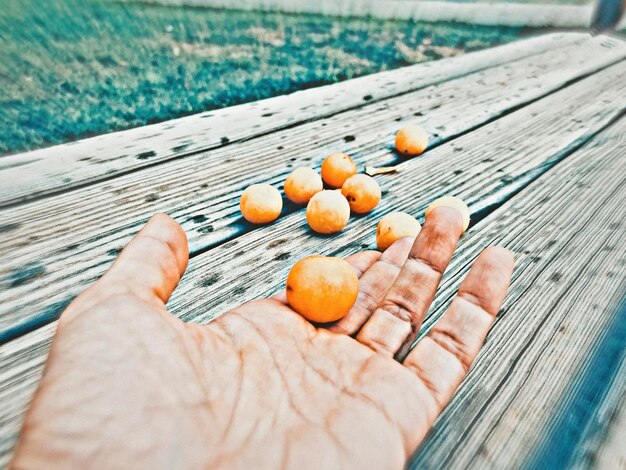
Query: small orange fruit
454	203
411	140
337	168
321	288
261	203
328	211
302	184
393	226
362	192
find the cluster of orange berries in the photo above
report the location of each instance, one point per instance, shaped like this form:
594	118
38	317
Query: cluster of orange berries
323	289
328	211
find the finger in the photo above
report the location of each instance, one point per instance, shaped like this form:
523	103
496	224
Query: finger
373	286
399	316
152	264
359	261
442	358
362	260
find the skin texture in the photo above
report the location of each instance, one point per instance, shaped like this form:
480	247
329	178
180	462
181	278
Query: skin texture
337	168
362	192
321	288
261	203
327	212
394	226
302	184
411	140
128	384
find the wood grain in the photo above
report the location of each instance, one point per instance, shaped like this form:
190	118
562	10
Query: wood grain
63	167
584	211
63	245
558	227
584	429
569	281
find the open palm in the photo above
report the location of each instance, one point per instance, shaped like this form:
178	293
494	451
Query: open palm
128	384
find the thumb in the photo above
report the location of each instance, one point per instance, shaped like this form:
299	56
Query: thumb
152	264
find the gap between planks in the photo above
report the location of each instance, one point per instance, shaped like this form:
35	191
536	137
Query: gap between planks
66	260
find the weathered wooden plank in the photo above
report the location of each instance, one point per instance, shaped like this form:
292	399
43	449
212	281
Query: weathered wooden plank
63	245
563	300
495	14
575	208
22	365
62	167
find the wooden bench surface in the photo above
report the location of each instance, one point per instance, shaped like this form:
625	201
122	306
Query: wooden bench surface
531	134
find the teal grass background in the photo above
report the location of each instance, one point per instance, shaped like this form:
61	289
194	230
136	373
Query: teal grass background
71	69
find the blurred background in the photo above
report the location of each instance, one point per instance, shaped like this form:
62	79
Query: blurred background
76	68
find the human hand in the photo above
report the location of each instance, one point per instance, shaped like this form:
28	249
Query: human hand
128	384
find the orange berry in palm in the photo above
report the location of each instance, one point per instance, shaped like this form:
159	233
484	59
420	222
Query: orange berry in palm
411	140
302	184
261	203
322	289
453	203
393	226
362	192
328	211
337	168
